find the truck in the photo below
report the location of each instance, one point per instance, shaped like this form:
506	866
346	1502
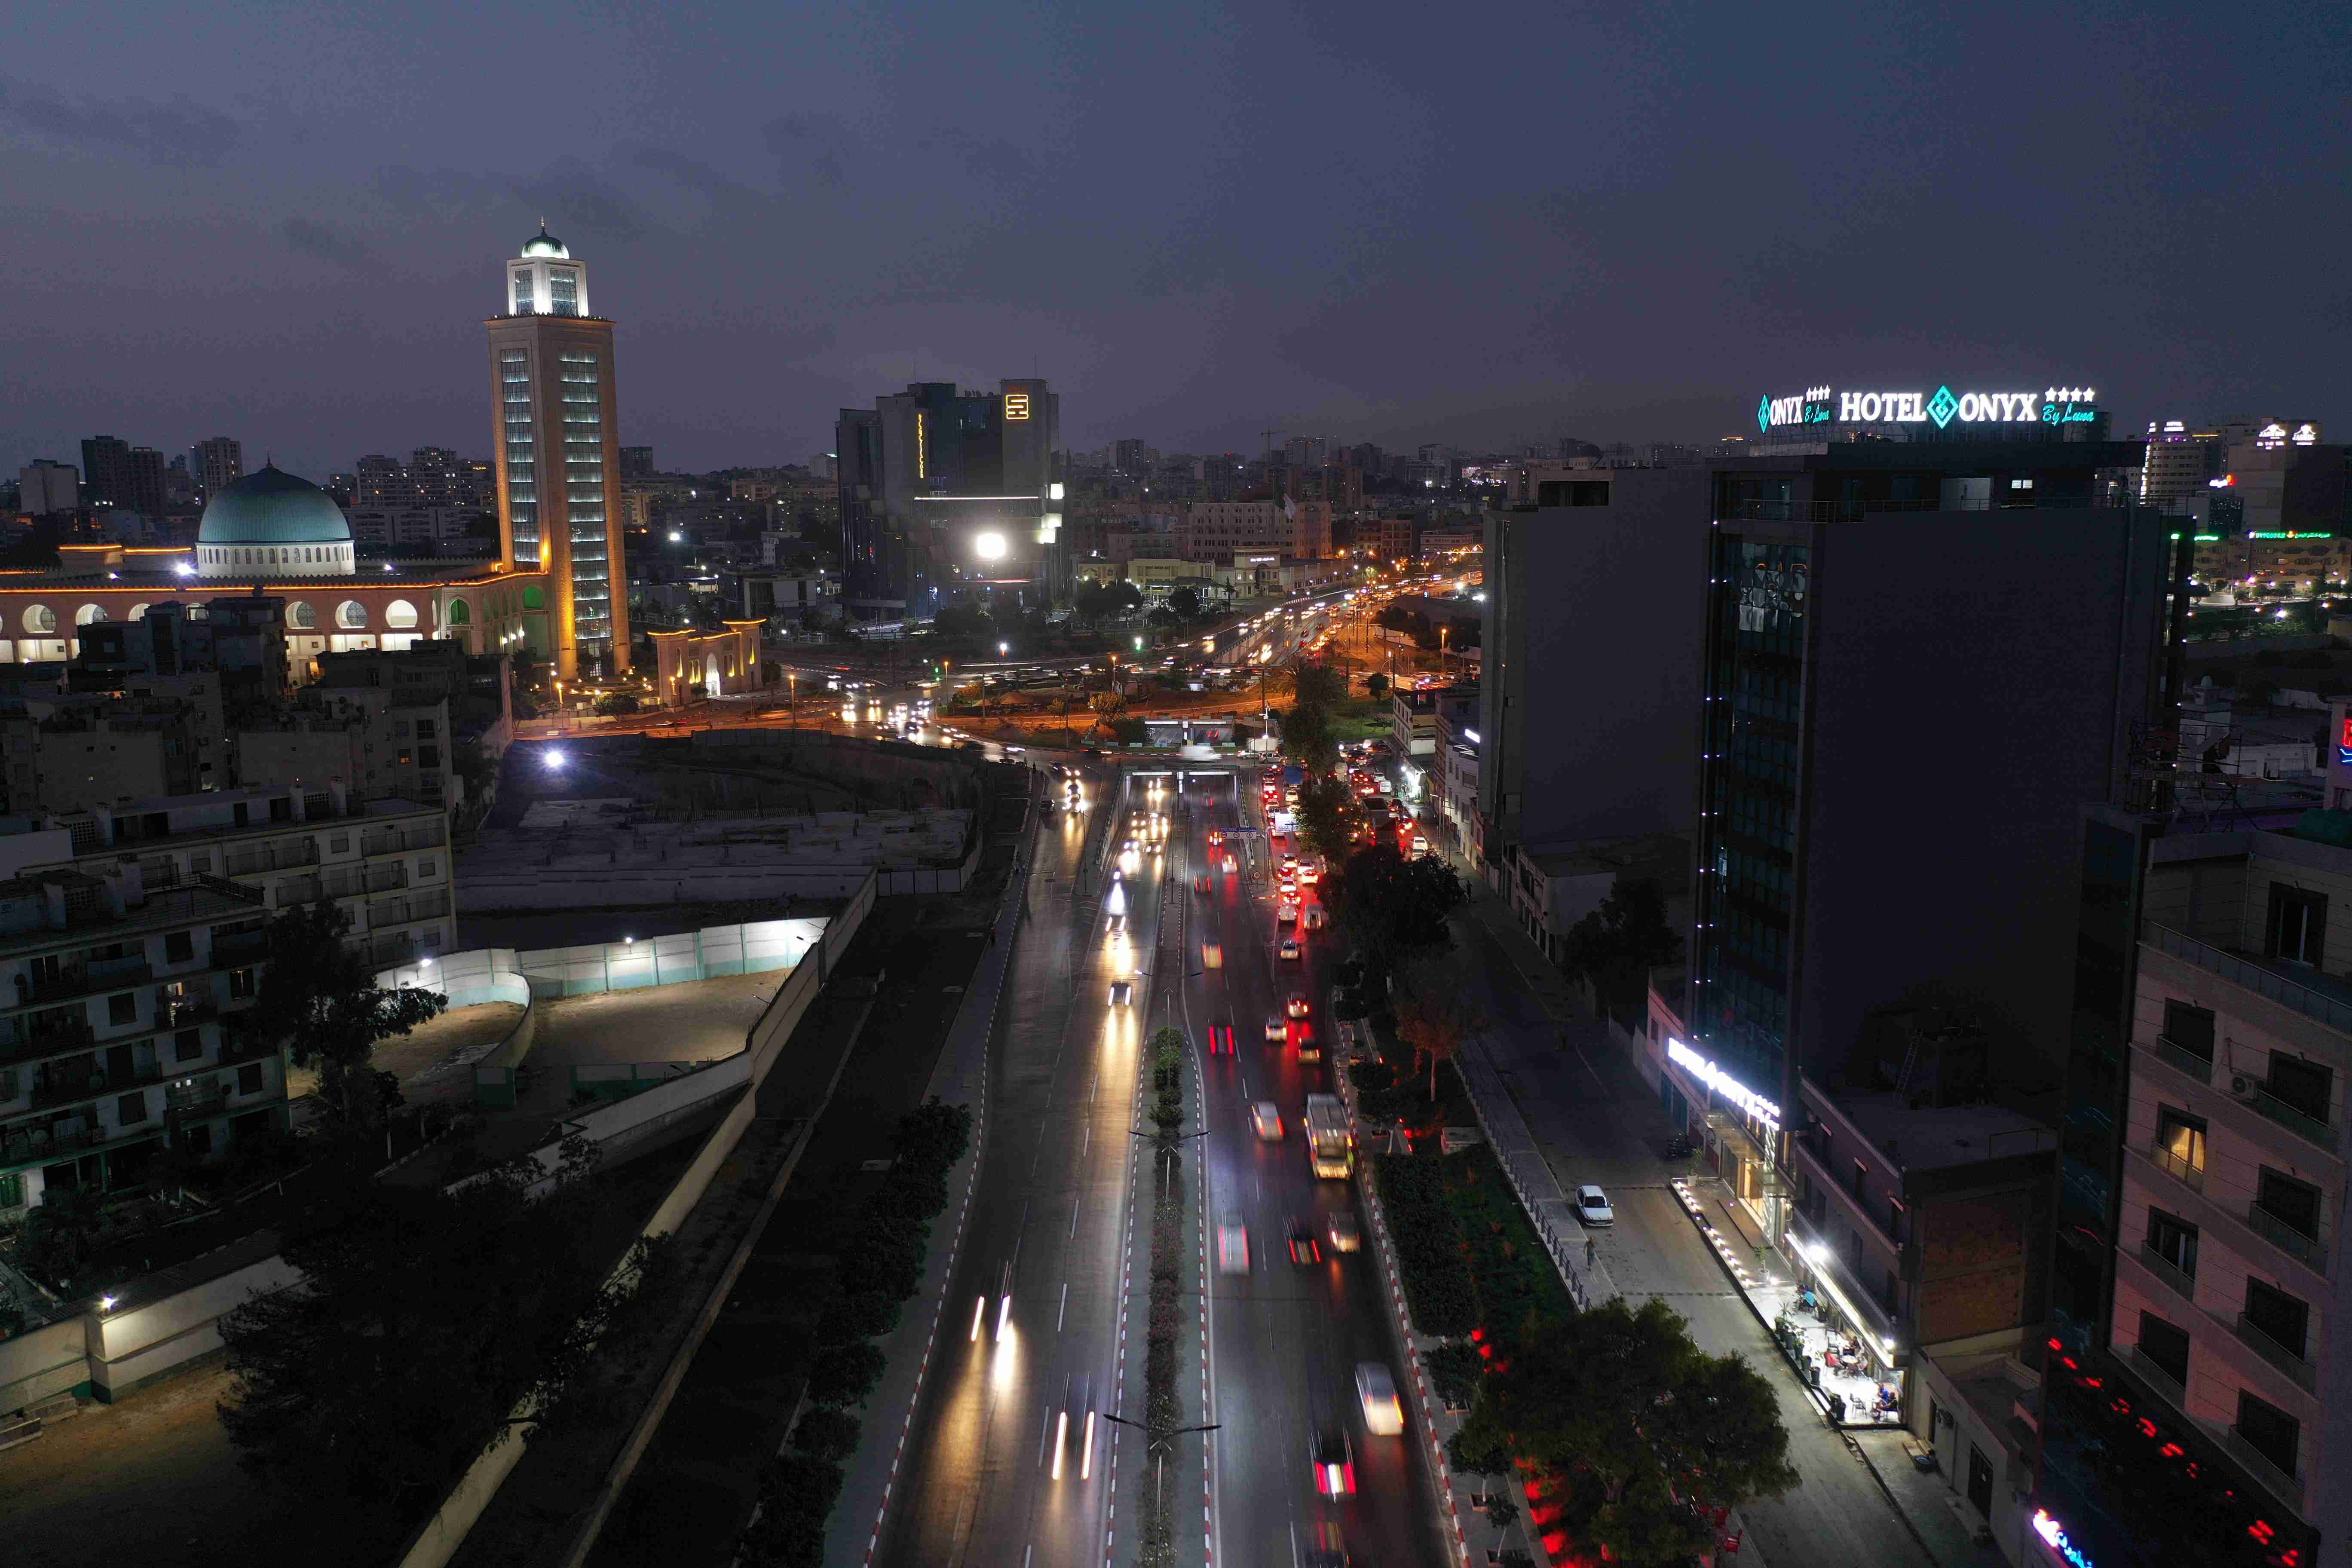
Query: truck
1330	1141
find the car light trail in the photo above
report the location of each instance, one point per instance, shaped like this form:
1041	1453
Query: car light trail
979	1311
1061	1437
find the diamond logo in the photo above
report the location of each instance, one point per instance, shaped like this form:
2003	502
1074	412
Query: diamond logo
1942	406
1764	414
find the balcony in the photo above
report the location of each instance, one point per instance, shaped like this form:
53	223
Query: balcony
39	1035
2179	1169
2260	1098
2172	1273
89	979
2179	1058
2313	1004
23	1146
245	862
240	948
189	1104
2287	1485
2311	1250
2160	1378
2305	1376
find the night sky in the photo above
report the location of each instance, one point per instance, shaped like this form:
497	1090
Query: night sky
1478	224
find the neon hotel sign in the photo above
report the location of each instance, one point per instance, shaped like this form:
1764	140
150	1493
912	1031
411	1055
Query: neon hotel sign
1723	1083
1942	407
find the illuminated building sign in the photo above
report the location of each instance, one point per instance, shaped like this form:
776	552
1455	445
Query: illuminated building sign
1942	407
1723	1083
2054	1536
2344	744
1016	405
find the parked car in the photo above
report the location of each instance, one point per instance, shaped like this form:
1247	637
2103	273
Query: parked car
1592	1207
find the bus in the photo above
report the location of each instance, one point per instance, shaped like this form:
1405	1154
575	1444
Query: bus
1330	1141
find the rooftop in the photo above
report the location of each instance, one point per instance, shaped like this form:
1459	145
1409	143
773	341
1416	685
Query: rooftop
1934	1137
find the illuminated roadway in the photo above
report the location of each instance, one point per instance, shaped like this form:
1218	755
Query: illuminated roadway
979	1484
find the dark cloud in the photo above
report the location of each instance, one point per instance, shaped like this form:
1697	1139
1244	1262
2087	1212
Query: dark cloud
808	145
308	236
180	134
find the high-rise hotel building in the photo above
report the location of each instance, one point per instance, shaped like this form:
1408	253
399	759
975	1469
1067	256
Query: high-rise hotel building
559	454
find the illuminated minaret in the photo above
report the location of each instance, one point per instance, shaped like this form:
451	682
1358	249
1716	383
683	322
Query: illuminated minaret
556	409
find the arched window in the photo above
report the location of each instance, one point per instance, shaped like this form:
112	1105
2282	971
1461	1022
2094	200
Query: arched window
400	614
300	615
40	619
460	614
534	598
139	611
89	613
352	616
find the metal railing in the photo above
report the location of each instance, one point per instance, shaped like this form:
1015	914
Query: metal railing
2172	1273
2305	1376
2312	1003
2160	1378
2176	1167
2312	1250
2265	1469
2304	1123
2182	1060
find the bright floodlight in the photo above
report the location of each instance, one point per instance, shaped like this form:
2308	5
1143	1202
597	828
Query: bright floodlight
555	757
988	546
184	569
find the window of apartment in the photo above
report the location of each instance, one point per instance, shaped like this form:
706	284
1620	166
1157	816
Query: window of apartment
1980	1481
2303	1085
2180	1142
428	756
339	844
2298	924
130	1110
2285	1320
427	866
12	1192
425	730
2293	1204
2173	1239
179	946
2269	1431
1861	1174
122	1007
240	984
198	1140
201	863
249	1078
2189	1028
188	1044
2166	1343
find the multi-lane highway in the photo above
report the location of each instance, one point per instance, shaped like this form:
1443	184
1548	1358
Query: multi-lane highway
1046	1303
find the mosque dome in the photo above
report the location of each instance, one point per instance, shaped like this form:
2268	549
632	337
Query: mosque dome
271	506
544	243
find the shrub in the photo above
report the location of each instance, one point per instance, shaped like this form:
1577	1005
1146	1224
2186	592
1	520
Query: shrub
1437	1288
1455	1367
796	1492
845	1375
861	1315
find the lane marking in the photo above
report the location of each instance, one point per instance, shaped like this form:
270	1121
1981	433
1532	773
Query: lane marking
1064	1307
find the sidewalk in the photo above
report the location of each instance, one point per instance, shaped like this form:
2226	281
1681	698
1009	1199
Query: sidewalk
1590	1118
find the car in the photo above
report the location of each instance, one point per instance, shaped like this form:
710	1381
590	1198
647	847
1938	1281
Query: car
1376	1392
1340	1229
1232	1248
1122	991
1232	866
1334	1461
1309	1048
1265	1120
1592	1207
1304	1246
1285	911
1276	1031
1313	918
1289	949
1215	838
1201	883
1221	1039
1016	751
1296	1007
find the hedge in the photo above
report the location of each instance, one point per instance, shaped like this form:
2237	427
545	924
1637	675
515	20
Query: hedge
1438	1292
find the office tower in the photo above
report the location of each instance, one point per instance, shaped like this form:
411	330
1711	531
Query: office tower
1304	452
44	487
2179	463
105	460
219	463
1126	458
636	462
948	495
556	407
144	489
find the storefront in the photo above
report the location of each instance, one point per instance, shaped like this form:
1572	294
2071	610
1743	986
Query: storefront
1846	1356
1737	1130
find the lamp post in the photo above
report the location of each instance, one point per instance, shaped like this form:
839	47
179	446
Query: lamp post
793	697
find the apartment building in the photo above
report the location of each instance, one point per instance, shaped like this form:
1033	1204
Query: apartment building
1215	530
1416	711
365	739
2230	1285
121	1038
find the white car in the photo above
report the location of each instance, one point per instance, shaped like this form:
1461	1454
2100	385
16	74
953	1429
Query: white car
1592	1207
1289	949
1232	1248
1285	912
1265	1120
1376	1391
1297	1006
1276	1031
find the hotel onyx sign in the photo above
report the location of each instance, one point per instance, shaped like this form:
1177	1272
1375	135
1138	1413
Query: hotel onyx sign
1941	408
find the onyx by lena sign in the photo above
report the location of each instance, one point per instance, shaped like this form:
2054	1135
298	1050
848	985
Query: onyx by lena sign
1942	407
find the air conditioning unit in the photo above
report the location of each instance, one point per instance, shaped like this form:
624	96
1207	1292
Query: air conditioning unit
2241	1085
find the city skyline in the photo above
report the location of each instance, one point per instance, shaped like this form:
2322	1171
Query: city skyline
1068	212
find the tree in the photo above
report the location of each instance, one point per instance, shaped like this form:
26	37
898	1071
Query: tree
1435	1026
1616	946
1185	602
1163	616
1328	814
967	621
614	703
1376	686
1394	908
1640	1431
422	1318
320	999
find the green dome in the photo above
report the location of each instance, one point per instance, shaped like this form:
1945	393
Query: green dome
273	507
544	243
